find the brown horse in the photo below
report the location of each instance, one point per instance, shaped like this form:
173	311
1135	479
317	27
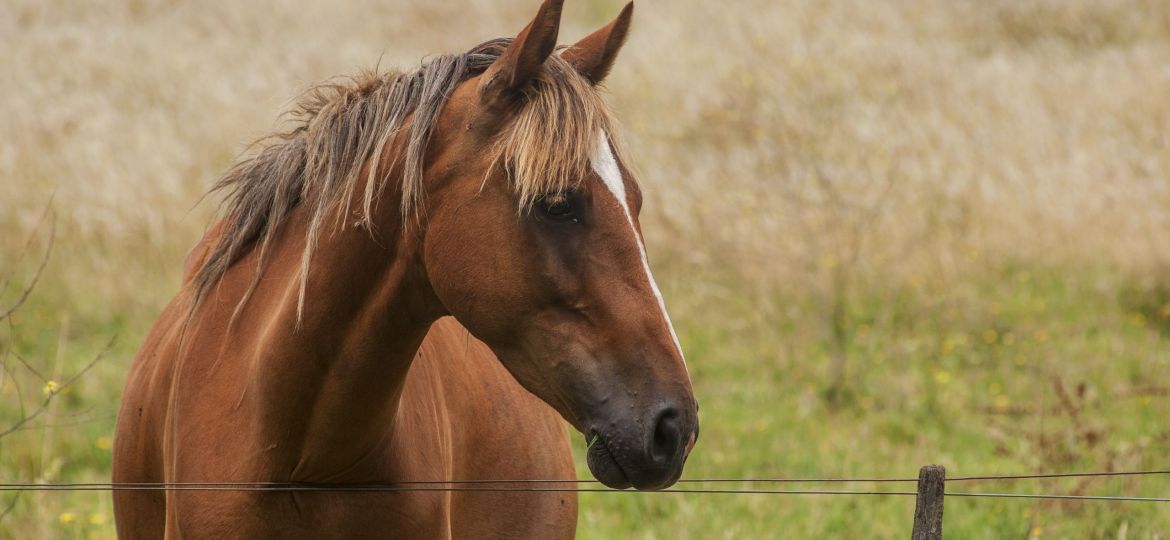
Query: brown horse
402	284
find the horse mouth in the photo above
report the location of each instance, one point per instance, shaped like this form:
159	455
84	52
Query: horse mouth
604	465
615	466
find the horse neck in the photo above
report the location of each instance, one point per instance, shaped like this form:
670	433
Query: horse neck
341	368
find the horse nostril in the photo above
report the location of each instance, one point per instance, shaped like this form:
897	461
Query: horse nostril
667	435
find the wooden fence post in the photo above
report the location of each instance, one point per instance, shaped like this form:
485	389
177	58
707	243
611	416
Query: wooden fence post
928	507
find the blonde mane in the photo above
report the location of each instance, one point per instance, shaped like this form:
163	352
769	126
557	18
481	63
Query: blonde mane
341	125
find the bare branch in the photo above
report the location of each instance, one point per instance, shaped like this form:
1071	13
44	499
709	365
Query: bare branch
28	366
25	419
78	421
36	276
11	504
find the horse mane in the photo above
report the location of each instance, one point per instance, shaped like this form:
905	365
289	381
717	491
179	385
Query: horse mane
340	125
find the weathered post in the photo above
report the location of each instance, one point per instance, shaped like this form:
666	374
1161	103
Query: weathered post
928	508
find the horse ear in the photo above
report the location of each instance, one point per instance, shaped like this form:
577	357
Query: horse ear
521	61
593	56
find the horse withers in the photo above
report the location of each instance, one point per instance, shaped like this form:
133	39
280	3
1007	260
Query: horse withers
409	285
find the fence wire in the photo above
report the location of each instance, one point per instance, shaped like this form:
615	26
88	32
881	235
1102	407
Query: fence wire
559	486
750	480
398	489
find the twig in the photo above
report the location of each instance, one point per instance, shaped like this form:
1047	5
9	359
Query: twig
11	504
36	275
29	366
49	399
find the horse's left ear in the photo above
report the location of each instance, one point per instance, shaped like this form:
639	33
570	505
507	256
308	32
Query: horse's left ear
593	56
521	61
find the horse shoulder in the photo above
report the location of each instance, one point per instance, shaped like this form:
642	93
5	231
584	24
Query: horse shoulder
498	431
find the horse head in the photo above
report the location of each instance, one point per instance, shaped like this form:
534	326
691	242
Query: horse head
532	241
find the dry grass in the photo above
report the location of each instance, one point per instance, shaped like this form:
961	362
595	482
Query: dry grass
804	161
901	134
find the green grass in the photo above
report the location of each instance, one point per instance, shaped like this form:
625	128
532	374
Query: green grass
1017	370
971	381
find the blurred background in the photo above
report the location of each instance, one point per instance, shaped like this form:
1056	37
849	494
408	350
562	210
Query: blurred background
891	233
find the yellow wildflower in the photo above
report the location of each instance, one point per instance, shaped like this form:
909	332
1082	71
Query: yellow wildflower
67	517
51	387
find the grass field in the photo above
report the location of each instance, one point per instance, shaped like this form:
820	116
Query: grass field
890	233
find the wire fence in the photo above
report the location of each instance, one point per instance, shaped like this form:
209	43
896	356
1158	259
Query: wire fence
928	509
563	486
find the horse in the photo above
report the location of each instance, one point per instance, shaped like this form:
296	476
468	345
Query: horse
421	279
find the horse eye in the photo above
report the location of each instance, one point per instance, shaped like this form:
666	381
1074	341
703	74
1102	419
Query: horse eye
558	207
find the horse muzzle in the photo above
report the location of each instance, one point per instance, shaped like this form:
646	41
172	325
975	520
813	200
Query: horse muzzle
645	455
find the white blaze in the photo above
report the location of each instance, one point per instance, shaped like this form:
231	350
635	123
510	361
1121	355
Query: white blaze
605	165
